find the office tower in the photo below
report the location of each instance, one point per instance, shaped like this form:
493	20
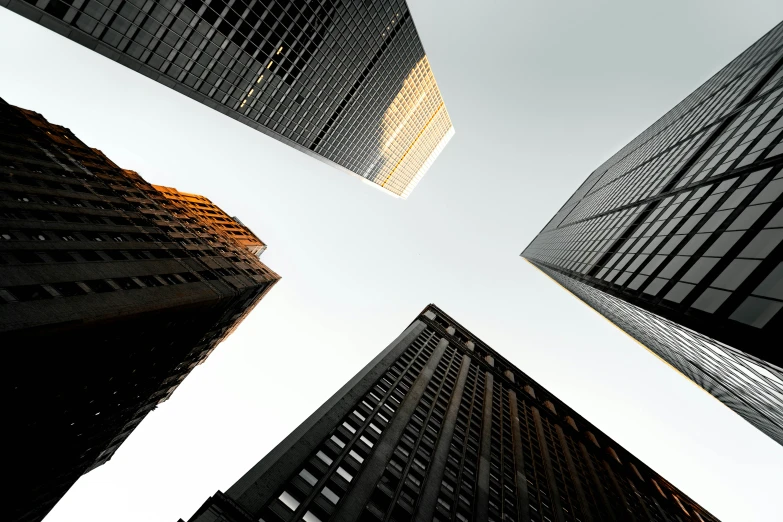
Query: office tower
441	427
676	238
345	81
111	292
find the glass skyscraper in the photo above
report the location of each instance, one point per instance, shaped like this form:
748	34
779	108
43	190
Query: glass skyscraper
440	427
345	81
111	291
677	237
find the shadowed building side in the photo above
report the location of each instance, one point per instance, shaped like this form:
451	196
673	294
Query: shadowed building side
110	294
440	427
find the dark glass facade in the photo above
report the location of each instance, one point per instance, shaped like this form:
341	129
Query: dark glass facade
677	237
111	292
440	427
345	81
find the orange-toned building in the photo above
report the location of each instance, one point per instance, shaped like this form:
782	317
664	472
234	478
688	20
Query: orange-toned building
213	216
111	292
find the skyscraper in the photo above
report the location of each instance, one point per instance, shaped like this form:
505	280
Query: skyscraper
345	81
441	427
111	292
677	237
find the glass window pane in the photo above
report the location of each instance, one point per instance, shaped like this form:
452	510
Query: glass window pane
747	218
710	300
699	269
655	286
673	266
756	311
734	274
693	245
715	220
723	243
772	286
679	292
764	243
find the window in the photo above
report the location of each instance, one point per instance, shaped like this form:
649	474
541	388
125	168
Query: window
37	236
330	495
150	281
60	256
756	311
68	289
710	300
763	244
344	474
290	502
734	274
679	292
309	517
29	292
324	458
724	242
126	283
99	286
308	477
699	269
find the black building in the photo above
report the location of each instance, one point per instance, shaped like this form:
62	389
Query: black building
111	292
440	427
677	237
345	81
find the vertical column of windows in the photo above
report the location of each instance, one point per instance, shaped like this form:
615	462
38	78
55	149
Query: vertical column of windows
541	504
502	474
618	501
455	500
326	477
594	501
651	509
397	492
565	485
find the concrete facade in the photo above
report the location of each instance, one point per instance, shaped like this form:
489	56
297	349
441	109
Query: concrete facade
441	427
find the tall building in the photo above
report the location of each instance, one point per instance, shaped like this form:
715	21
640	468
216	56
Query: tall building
440	427
345	81
677	237
111	292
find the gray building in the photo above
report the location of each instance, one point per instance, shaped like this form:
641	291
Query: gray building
677	237
440	427
111	292
345	81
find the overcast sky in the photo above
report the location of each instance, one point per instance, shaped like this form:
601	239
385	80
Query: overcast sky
540	94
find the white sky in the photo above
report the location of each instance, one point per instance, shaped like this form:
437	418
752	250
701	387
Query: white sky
540	94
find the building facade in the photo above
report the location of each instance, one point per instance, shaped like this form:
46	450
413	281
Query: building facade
440	427
677	237
213	216
345	81
111	292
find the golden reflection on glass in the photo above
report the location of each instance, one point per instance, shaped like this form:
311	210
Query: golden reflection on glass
415	129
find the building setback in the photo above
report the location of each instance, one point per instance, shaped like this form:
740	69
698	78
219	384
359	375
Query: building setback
677	237
111	291
347	82
440	427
